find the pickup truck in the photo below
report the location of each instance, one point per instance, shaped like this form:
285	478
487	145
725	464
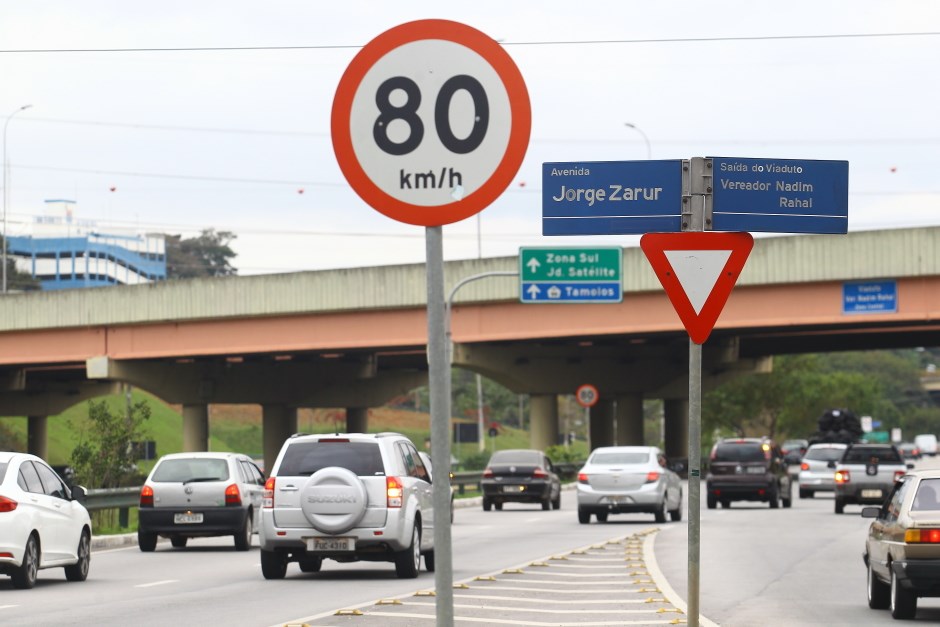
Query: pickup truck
866	474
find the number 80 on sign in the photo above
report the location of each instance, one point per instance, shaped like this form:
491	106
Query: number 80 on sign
587	395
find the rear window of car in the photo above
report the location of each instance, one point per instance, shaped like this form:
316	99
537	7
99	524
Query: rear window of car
612	458
880	455
928	496
516	457
305	458
190	470
739	452
824	454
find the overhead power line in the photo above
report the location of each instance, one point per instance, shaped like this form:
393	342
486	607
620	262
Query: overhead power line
582	42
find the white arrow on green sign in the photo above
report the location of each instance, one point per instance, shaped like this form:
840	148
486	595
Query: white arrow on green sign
571	275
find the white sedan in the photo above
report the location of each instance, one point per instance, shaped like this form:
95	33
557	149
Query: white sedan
628	479
42	522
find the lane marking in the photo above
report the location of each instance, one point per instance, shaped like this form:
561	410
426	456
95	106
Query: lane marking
6	607
663	583
543	601
156	583
499	621
550	591
530	610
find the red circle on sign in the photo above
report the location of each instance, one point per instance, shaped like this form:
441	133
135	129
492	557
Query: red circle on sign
510	162
587	395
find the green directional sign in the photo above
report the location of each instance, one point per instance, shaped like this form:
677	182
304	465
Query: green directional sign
571	275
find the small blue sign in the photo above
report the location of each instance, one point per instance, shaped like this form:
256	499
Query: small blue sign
780	195
611	197
570	292
872	297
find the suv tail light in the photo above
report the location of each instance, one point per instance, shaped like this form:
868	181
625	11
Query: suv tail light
582	478
268	494
538	473
7	505
842	476
804	466
232	496
146	496
898	474
922	536
488	473
394	491
652	476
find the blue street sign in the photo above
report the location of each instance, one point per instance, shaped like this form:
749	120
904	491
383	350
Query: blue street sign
780	195
571	292
870	297
611	197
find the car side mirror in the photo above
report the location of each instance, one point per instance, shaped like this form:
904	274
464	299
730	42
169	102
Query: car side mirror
79	494
870	512
909	466
831	464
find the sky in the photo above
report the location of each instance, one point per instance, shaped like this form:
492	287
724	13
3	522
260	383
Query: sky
190	130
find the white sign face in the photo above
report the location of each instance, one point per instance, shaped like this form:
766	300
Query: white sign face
587	395
430	122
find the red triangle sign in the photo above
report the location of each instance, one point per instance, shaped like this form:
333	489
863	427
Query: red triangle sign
698	270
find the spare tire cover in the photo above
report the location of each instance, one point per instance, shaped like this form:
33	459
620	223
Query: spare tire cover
334	500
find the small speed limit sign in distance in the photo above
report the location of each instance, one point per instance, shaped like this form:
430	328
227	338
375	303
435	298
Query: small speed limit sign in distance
587	395
430	122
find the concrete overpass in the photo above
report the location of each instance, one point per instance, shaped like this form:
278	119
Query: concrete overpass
354	338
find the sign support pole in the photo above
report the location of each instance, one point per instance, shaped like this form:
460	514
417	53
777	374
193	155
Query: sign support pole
700	187
439	384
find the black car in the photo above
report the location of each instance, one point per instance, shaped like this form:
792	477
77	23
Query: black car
747	469
520	476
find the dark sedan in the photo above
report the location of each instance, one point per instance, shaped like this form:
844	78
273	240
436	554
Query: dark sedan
520	476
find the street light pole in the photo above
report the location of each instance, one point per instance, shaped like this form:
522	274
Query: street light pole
649	150
6	193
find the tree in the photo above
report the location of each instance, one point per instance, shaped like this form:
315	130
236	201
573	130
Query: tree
19	281
207	255
104	456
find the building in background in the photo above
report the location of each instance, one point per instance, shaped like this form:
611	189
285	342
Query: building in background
64	253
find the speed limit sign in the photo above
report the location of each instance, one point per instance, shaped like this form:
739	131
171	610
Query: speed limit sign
431	122
587	395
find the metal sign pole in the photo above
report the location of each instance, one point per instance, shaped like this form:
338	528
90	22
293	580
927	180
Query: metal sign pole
439	383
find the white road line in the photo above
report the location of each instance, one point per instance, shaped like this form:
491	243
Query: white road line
622	563
551	591
533	520
663	583
606	582
6	607
530	610
156	583
546	572
544	601
498	621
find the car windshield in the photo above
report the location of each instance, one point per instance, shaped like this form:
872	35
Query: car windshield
926	498
611	458
877	455
516	457
305	458
191	469
739	452
826	454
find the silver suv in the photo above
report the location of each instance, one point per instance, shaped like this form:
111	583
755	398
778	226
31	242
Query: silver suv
347	497
189	495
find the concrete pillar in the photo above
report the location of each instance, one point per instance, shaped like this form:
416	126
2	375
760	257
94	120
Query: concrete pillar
543	417
279	422
601	424
629	421
196	427
357	420
676	416
37	441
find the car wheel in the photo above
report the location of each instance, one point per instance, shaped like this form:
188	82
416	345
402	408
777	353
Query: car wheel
661	513
24	577
774	498
408	562
498	505
726	504
146	541
676	514
556	504
273	564
243	537
321	507
711	502
903	602
179	542
584	517
79	570
879	593
787	499
601	517
547	503
806	494
840	505
487	504
429	561
310	564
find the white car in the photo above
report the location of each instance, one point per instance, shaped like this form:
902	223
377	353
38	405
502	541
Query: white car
628	479
43	523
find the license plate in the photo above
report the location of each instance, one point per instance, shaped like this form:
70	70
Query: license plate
755	470
871	494
187	519
616	500
513	488
331	544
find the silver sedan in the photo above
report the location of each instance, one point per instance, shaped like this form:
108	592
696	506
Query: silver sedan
628	479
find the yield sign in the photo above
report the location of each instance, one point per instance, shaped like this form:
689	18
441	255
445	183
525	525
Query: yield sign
698	270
